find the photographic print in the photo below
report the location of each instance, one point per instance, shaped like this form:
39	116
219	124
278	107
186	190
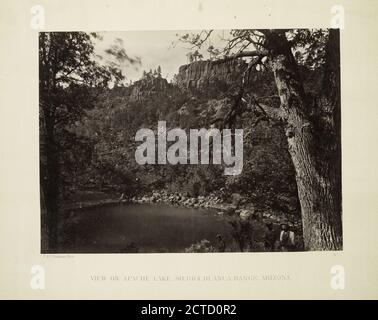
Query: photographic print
190	141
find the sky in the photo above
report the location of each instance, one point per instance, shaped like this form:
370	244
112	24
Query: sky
154	48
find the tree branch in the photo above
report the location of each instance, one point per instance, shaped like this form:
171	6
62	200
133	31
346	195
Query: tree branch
244	54
268	111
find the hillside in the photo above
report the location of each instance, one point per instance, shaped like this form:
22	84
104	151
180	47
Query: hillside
200	92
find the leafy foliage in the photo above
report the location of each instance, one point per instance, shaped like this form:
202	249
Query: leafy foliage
70	81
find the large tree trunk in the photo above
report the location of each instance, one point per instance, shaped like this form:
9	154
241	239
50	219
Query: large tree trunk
315	155
52	193
49	168
50	176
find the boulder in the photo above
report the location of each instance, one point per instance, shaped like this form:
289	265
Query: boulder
236	199
245	214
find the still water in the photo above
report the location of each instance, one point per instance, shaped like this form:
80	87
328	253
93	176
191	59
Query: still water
139	227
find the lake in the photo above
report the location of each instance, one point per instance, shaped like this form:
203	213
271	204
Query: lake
149	228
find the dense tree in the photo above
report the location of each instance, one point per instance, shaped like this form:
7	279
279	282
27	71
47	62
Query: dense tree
70	78
311	118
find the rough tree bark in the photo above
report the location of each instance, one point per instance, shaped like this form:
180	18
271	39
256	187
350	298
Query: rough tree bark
50	181
50	169
51	190
313	141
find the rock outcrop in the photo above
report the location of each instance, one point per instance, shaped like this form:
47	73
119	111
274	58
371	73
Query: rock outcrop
148	86
203	73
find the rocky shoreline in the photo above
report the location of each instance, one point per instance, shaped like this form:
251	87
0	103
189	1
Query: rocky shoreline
238	206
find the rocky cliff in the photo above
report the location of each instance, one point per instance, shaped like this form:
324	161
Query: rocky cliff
148	86
198	74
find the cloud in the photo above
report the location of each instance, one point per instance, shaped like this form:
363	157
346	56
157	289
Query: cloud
153	48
